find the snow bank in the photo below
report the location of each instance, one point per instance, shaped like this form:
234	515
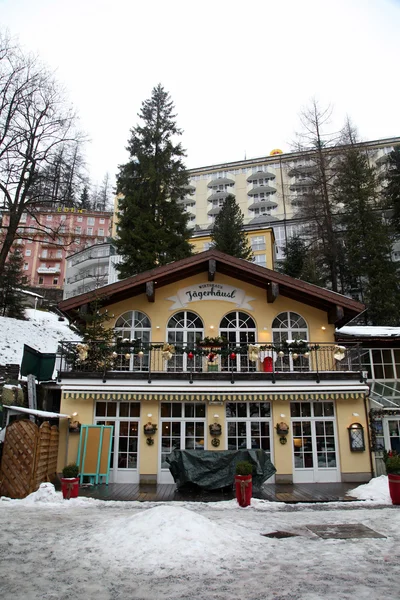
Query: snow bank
46	494
377	490
145	541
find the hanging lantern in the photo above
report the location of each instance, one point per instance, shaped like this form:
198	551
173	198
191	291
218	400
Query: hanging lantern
306	355
114	355
127	356
295	355
140	354
281	354
190	355
232	356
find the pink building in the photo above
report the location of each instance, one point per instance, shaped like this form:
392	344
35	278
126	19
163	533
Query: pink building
65	231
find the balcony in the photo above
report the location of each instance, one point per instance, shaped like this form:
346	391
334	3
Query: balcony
48	270
262	189
221	181
260	203
219	195
235	362
50	256
260	175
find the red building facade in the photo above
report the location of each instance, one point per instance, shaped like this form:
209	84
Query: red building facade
45	247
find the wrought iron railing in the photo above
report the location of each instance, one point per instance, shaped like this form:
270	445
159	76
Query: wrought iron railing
137	357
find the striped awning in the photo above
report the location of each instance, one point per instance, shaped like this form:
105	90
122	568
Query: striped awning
182	397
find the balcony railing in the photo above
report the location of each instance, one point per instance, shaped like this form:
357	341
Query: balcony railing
78	358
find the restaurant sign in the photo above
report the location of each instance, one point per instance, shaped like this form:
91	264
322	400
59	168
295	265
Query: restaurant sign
210	291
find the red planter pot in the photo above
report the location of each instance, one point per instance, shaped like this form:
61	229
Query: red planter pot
70	487
244	489
394	488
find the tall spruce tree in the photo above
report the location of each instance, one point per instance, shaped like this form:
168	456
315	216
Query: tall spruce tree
392	190
227	234
367	238
152	228
299	261
12	282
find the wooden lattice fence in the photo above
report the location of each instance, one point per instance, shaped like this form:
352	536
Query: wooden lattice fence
29	457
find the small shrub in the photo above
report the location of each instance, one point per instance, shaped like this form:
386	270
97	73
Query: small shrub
392	462
244	468
70	471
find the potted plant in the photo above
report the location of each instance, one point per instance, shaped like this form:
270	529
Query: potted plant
392	463
244	482
70	481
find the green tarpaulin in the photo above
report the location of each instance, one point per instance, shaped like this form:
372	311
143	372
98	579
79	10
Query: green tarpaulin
212	470
38	363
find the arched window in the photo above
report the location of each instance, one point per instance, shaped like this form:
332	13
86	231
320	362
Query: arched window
133	325
183	329
238	328
287	327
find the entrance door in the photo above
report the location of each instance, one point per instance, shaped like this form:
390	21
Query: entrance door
182	428
125	417
315	455
249	427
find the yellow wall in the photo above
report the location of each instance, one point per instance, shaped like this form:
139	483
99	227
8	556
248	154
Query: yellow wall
68	445
351	462
199	242
212	311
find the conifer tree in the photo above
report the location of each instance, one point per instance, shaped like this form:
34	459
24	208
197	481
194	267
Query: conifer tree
98	338
152	228
227	234
299	261
392	190
367	238
12	282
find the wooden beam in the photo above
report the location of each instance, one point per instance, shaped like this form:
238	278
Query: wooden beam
335	314
212	269
150	291
272	292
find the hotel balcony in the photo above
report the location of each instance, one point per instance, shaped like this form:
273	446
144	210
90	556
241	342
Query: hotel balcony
261	189
260	175
48	270
219	195
220	181
233	362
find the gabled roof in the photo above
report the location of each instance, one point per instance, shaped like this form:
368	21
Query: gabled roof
340	308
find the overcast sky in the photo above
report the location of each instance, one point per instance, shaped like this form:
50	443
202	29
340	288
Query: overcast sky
238	72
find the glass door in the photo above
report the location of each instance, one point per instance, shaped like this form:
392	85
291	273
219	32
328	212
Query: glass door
125	418
315	456
182	428
249	427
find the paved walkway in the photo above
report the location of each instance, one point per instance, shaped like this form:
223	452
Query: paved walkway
290	493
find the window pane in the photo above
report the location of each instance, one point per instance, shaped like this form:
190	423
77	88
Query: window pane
111	409
242	409
200	410
165	409
135	409
101	409
254	409
176	409
124	409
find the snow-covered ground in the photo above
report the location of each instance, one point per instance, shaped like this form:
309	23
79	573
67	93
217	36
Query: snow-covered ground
43	331
52	548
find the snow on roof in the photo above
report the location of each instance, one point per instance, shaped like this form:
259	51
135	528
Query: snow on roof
38	413
370	331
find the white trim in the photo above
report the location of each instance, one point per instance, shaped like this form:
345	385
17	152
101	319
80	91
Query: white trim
265	387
